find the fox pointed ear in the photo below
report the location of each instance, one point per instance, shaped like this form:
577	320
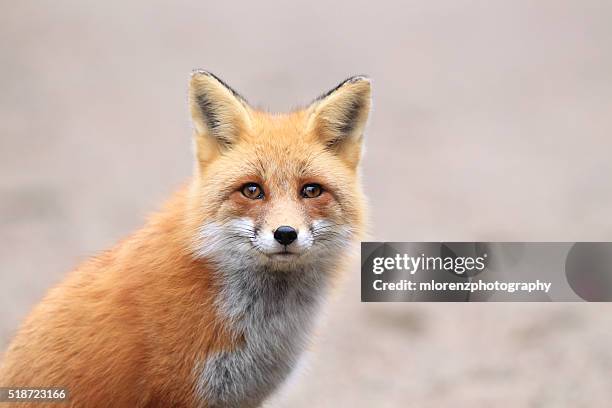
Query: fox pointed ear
338	118
218	112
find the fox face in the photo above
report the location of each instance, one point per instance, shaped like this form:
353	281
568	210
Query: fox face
279	190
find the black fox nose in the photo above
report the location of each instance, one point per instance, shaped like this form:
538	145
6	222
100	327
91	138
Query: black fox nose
285	235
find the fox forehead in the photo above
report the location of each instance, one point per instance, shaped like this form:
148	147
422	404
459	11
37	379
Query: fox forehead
280	134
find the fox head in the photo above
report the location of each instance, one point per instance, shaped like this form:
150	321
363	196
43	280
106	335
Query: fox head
280	190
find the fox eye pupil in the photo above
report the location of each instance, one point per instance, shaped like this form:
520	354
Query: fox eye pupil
311	190
252	191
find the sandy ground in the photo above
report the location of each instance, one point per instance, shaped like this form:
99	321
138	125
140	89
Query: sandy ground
492	121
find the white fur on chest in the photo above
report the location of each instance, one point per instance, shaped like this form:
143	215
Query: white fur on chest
274	312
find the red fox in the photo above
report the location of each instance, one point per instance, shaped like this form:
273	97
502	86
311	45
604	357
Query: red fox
211	303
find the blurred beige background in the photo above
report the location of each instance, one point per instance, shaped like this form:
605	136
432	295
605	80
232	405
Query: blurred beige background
492	121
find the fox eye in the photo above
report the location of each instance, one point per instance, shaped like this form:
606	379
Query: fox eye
252	191
311	190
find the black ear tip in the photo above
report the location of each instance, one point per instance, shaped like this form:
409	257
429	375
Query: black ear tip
202	72
198	71
361	80
350	80
357	78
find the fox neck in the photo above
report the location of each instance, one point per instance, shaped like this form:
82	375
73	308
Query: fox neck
250	292
273	312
